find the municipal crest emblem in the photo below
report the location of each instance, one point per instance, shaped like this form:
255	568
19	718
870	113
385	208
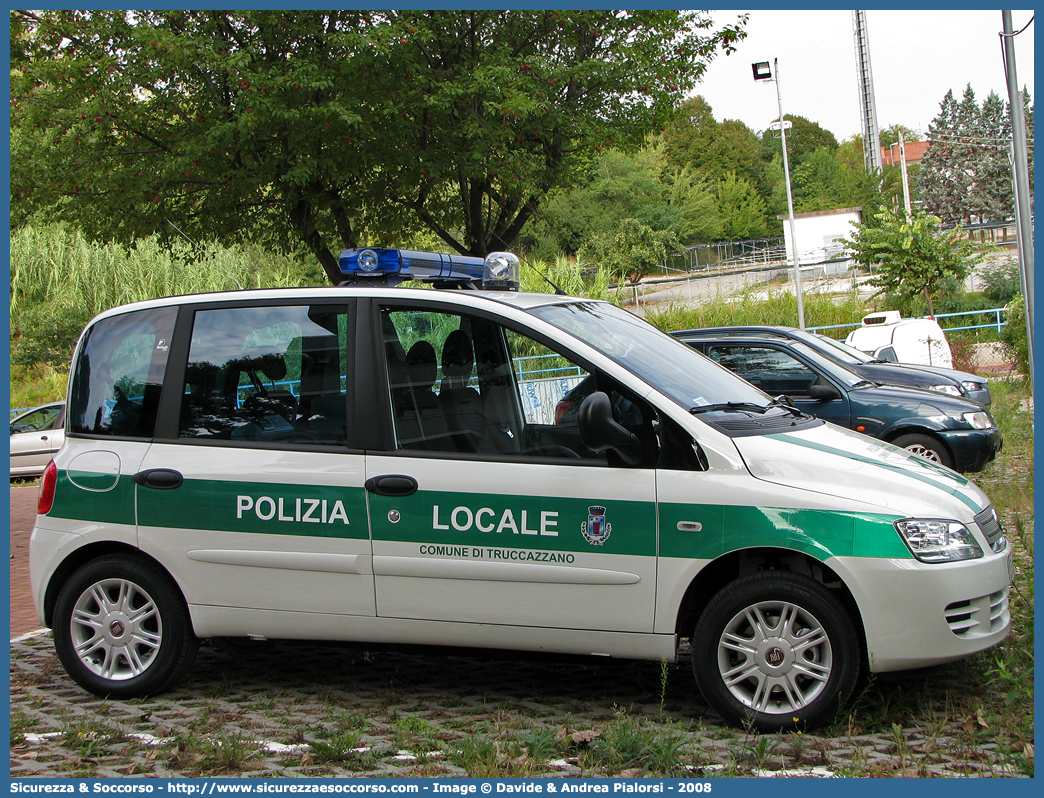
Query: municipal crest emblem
596	529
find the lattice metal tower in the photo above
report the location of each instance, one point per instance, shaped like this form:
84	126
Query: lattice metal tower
867	108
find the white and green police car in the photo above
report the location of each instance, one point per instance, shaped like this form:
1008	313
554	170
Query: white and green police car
487	468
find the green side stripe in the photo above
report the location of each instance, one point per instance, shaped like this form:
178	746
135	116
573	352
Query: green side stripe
914	473
259	508
487	519
817	533
553	524
115	506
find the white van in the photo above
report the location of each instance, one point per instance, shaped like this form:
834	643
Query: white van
384	464
888	336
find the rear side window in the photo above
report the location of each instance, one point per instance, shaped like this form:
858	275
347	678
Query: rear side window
118	376
267	375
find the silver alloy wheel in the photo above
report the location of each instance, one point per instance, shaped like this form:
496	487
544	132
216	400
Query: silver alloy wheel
923	451
116	629
774	657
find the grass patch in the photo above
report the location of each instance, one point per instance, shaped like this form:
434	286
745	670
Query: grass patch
634	747
338	748
752	307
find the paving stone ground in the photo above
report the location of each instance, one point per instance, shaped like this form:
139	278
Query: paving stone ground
284	709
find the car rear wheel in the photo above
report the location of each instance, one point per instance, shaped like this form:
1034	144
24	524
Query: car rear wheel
777	651
121	628
925	446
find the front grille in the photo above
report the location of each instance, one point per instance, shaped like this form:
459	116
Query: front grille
978	617
991	527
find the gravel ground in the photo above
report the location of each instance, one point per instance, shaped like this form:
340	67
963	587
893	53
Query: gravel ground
285	709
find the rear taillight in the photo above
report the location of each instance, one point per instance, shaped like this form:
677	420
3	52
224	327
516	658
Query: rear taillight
47	485
562	408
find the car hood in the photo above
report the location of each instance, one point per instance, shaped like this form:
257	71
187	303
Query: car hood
838	462
914	401
906	375
942	371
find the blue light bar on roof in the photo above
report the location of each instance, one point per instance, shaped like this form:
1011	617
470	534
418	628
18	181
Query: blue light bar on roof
498	271
409	265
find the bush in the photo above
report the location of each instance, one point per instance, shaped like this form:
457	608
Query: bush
1001	281
1014	333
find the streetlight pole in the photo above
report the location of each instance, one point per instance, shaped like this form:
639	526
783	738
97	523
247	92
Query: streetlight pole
1020	170
790	202
762	72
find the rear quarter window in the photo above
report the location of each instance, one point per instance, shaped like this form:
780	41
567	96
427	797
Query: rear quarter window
118	374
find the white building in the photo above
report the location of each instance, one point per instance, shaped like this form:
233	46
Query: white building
819	235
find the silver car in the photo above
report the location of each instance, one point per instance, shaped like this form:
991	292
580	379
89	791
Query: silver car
36	435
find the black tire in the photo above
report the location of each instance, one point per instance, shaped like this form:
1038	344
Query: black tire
931	449
121	628
820	676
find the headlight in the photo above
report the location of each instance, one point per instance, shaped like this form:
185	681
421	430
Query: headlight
973	386
979	420
949	388
932	540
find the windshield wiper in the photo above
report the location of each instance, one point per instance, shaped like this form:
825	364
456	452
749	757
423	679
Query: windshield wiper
749	406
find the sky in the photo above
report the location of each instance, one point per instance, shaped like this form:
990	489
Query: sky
915	58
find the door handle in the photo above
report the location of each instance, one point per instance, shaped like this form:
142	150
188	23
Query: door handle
392	485
159	478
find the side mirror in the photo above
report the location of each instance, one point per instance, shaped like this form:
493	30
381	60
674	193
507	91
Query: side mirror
887	353
599	430
824	393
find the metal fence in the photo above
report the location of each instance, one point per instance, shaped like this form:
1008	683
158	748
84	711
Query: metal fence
997	324
728	254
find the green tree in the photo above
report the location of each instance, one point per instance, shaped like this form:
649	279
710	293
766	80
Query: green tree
911	257
741	209
837	178
698	204
715	149
631	250
320	130
625	186
940	178
804	137
890	135
993	192
965	175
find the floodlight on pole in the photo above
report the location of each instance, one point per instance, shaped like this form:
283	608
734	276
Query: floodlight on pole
762	71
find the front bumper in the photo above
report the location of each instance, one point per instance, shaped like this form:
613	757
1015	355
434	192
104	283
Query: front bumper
972	449
918	614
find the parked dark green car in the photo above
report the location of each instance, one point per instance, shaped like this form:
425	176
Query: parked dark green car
954	432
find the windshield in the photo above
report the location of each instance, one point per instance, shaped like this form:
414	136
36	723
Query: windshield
844	352
832	367
672	367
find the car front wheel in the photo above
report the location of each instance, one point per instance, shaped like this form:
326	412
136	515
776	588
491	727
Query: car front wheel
121	628
777	651
925	446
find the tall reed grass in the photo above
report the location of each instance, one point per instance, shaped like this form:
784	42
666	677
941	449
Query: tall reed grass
60	280
753	308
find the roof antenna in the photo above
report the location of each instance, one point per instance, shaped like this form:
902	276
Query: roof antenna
558	289
197	246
